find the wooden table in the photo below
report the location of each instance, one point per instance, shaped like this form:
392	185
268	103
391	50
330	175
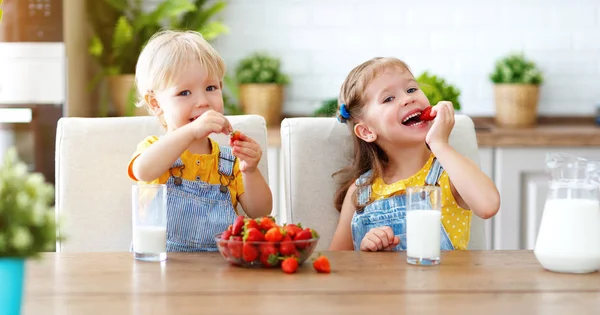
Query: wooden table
467	282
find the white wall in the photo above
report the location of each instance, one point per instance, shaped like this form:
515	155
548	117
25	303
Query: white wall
319	41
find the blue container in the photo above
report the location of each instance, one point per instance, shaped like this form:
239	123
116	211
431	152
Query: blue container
11	285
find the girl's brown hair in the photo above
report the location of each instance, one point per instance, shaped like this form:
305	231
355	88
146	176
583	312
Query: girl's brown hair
367	155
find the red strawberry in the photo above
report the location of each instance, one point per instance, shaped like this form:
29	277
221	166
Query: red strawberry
289	265
253	235
305	234
235	246
236	229
274	234
269	256
426	114
266	223
250	223
236	135
249	252
292	229
321	264
287	248
225	235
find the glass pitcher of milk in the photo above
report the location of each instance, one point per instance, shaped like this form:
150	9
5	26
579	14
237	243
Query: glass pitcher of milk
569	236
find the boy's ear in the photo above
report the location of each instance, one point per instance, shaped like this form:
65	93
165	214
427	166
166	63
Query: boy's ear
152	104
364	132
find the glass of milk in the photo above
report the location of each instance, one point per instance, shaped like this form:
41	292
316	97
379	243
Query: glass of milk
149	218
423	225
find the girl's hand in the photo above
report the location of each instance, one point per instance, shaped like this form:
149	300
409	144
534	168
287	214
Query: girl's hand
210	122
379	238
442	124
248	151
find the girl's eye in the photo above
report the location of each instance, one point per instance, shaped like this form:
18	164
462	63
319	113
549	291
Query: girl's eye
211	88
185	93
411	90
388	99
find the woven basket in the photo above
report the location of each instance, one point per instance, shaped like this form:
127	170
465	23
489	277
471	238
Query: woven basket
516	104
263	99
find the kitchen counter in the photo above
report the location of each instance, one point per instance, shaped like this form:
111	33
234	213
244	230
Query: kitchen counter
550	131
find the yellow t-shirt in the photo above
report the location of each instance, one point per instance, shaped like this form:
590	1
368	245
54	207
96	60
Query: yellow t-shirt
456	220
204	167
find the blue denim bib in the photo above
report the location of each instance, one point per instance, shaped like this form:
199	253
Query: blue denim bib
389	211
197	210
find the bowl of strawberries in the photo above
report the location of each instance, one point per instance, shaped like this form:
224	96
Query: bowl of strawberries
262	243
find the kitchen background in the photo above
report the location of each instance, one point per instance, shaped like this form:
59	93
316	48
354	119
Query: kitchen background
318	42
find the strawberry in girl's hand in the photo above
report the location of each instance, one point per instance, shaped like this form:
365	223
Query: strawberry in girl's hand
321	264
289	265
426	114
253	235
236	229
249	252
235	136
274	234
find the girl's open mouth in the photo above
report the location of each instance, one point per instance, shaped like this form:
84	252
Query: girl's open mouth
413	119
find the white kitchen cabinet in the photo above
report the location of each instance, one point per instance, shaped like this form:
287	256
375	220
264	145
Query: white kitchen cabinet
521	177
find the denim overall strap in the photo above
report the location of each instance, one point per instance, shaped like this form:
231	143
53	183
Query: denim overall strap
432	179
226	161
363	193
198	210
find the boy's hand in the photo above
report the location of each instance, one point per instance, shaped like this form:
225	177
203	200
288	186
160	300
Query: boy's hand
247	150
210	122
442	124
379	238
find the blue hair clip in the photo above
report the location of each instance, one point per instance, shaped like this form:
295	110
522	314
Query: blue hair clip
344	114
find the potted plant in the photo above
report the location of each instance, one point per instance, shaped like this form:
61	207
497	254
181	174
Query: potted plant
516	89
122	28
261	84
27	226
437	89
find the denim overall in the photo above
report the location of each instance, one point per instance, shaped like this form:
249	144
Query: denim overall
198	210
389	211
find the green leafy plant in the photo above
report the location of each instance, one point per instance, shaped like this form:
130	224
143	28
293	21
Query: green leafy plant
516	69
328	108
121	28
260	68
27	219
437	89
231	95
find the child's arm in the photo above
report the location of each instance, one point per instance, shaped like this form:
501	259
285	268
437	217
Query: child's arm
257	199
159	157
473	187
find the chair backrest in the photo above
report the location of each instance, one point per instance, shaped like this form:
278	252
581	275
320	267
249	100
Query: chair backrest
315	148
93	191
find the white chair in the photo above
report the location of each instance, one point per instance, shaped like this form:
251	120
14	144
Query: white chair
315	148
93	191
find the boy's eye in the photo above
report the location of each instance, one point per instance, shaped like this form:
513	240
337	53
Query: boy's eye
211	88
411	90
388	99
185	93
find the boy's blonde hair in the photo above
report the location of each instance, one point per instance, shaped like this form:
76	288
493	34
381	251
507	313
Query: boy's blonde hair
169	52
